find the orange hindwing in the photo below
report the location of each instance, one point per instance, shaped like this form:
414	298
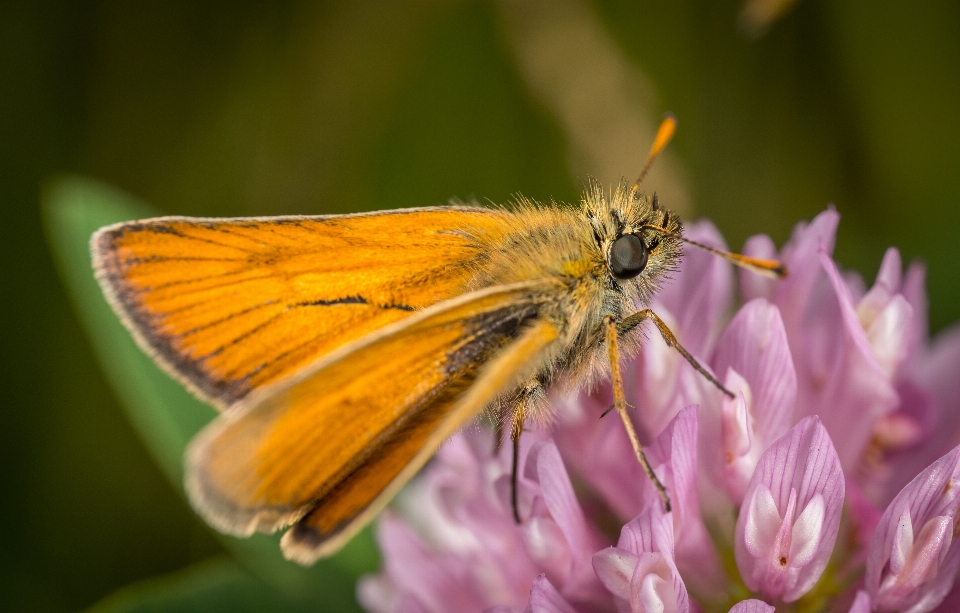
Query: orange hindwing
330	445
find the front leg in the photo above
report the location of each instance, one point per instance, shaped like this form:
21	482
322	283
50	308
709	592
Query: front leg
620	404
629	323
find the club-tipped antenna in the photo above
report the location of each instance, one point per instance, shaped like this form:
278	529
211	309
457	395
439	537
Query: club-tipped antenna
768	268
667	127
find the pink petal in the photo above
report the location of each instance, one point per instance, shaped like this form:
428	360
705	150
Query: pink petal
844	384
577	580
939	372
861	604
654	579
701	291
904	442
557	492
602	454
376	594
612	471
754	350
800	477
762	521
889	334
794	293
544	598
805	539
547	547
755	345
913	561
914	290
736	423
930	548
659	381
739	449
651	530
410	605
902	543
476	556
595	449
863	513
615	566
652	586
430	577
752	606
676	450
753	285
884	288
950	604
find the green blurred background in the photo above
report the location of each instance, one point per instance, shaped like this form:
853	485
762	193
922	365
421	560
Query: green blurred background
243	108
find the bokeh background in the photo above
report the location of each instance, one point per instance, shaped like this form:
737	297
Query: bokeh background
243	108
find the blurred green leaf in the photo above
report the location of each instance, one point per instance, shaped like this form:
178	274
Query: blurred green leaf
210	587
163	412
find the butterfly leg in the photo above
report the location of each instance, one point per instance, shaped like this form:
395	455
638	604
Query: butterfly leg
620	405
638	318
516	429
500	416
521	404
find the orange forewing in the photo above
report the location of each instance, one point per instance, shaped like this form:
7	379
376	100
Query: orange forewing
353	427
231	305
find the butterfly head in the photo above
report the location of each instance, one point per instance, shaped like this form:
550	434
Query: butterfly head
625	226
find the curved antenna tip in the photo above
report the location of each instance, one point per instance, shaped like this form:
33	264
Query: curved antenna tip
668	126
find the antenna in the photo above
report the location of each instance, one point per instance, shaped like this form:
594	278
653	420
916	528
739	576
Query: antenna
667	127
767	268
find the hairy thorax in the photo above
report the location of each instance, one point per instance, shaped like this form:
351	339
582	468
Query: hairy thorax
568	248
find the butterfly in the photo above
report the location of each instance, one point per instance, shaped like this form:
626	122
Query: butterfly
343	350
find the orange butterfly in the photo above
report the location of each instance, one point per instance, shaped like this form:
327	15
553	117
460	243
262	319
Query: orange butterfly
343	350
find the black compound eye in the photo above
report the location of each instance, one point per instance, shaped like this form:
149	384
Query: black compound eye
628	256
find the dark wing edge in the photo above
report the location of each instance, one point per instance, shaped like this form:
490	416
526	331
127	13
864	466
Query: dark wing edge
106	269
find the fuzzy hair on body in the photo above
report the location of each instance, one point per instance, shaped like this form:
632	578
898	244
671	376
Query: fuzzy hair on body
571	246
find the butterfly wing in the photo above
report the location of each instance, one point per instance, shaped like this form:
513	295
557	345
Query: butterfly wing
330	446
230	305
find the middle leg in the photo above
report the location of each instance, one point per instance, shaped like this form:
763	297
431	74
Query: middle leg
530	392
